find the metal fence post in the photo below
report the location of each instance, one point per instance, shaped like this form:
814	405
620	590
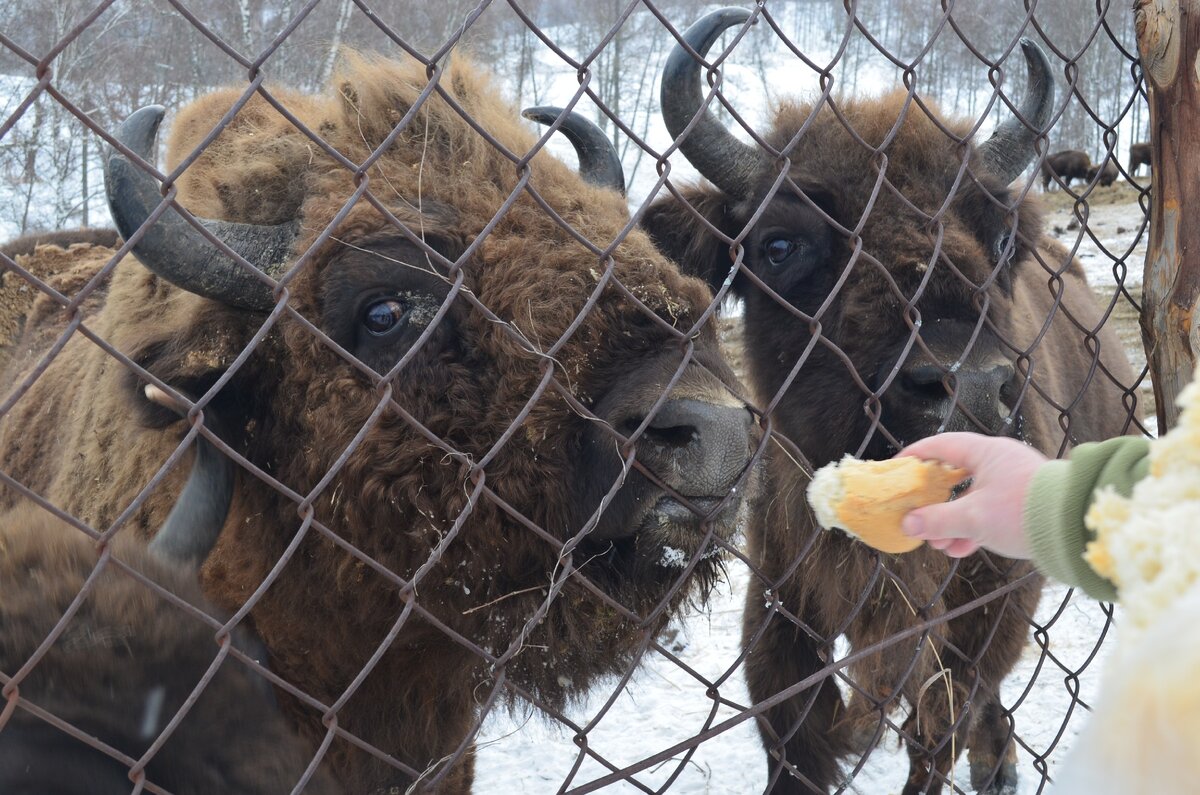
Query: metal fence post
1168	36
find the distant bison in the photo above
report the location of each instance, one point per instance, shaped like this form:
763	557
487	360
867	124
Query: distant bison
1105	174
128	660
1065	166
62	239
1139	155
442	508
887	296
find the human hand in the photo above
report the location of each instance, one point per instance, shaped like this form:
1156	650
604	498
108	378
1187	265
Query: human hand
990	514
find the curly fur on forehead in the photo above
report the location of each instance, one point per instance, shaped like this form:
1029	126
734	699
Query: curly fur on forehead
438	175
921	149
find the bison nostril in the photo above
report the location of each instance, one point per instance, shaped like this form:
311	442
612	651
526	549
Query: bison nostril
923	375
926	381
671	435
694	446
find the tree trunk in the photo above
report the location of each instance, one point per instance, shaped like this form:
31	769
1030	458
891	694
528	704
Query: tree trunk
1168	34
335	41
84	190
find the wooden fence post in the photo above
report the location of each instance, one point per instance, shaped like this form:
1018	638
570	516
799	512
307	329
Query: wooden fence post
1168	38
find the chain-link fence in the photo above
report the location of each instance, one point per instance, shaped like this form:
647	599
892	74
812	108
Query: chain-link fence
475	456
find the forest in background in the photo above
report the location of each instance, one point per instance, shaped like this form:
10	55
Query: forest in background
138	52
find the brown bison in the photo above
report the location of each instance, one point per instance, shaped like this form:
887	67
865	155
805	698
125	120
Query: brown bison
1139	155
63	239
893	287
488	445
1105	174
127	660
1064	166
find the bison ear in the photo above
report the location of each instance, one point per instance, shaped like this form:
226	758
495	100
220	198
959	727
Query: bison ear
192	357
682	229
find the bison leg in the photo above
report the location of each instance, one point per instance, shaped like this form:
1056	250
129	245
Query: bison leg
983	647
927	732
803	735
993	754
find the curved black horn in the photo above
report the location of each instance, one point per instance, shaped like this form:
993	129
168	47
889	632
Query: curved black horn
172	247
192	526
725	161
598	160
1011	148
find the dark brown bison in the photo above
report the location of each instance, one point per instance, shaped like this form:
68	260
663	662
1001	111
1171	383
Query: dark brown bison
475	410
1139	155
891	291
1105	174
1064	166
127	660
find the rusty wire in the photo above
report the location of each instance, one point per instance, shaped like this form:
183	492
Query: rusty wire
928	627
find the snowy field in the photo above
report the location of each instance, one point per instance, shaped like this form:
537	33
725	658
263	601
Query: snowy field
664	705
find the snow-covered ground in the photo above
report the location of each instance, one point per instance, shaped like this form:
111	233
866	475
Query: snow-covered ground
664	705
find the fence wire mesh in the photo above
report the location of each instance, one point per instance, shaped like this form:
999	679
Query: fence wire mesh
505	501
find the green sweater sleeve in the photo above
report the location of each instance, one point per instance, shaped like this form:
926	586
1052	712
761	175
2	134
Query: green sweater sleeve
1059	498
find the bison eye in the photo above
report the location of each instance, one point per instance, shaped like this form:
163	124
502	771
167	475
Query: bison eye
779	250
1001	244
383	317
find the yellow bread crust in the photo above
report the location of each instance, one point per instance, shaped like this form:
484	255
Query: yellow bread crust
877	494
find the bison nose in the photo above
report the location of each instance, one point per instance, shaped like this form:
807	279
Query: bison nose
697	448
987	383
928	379
978	389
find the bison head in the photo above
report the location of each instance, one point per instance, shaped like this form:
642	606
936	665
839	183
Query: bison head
484	422
874	247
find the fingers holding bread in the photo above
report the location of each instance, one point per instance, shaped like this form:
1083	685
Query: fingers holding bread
868	499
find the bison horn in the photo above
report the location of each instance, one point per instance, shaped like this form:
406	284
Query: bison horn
598	160
191	528
725	161
171	247
1011	148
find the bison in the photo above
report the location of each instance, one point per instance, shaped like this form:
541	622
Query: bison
1105	174
1064	166
487	443
62	239
894	286
1139	155
127	660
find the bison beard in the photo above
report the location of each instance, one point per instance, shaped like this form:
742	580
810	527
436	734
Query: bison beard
929	319
434	543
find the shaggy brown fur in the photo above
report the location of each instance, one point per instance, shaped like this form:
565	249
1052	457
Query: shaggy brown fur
1062	167
120	672
297	404
17	296
819	576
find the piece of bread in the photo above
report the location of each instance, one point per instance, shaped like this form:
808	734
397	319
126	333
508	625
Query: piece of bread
868	499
